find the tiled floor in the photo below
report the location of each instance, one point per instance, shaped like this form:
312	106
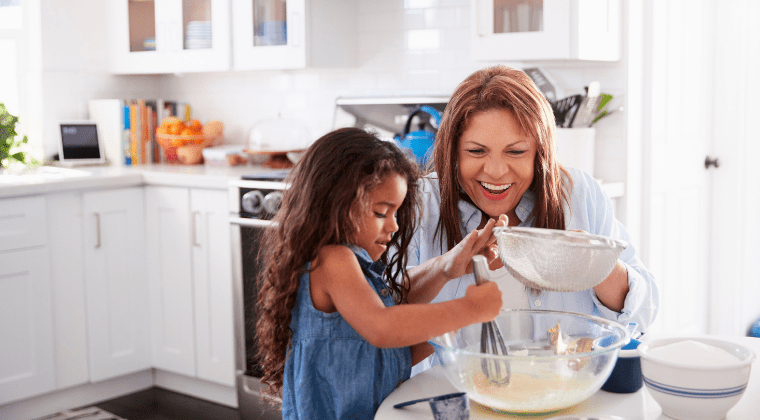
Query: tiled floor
161	404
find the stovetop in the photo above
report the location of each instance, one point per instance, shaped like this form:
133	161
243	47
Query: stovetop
268	176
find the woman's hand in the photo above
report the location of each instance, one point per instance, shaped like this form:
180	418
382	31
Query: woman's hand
613	290
491	252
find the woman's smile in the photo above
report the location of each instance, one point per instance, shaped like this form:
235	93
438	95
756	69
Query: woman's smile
495	192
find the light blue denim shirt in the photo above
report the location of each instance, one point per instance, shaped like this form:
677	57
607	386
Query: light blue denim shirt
590	210
331	371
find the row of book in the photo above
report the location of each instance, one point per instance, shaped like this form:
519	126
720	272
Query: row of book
127	127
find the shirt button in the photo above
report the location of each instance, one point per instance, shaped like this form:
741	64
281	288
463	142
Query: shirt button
384	292
537	303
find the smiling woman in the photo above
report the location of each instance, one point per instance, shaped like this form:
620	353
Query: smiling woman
495	159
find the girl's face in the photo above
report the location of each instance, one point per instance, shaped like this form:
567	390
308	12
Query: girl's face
379	221
496	162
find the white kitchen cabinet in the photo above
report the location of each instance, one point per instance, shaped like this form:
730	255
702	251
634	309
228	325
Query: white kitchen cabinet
67	265
189	267
546	30
293	34
212	281
26	327
116	283
169	36
170	277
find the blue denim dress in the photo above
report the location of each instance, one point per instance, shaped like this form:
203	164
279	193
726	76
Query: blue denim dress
331	371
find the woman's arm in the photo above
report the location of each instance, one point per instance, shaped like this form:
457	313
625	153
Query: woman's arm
337	283
613	290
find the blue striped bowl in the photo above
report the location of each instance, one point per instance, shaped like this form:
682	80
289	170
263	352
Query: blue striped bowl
695	391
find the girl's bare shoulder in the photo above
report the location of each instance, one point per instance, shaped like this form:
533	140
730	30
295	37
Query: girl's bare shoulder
334	257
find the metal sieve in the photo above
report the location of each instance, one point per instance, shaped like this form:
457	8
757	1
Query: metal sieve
557	260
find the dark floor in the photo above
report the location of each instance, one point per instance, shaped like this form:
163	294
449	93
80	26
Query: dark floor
160	404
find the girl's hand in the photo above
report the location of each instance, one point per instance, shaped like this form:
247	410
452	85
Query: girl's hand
458	260
484	300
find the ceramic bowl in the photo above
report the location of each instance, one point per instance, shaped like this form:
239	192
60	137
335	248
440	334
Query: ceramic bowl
688	390
541	381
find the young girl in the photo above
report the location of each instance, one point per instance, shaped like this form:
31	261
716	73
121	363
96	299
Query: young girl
334	329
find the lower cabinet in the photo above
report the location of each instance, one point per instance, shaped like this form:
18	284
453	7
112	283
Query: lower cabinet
26	319
190	275
26	342
116	287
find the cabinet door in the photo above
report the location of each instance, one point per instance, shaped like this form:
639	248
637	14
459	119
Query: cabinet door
170	277
169	36
269	34
65	242
212	278
116	284
545	29
26	346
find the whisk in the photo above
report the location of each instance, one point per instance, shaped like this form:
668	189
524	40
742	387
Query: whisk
491	341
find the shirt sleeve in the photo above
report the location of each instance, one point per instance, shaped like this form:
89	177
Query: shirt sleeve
593	212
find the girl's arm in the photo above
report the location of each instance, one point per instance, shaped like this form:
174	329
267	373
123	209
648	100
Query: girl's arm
337	283
429	277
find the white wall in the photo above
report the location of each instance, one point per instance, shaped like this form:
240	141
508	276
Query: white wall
74	70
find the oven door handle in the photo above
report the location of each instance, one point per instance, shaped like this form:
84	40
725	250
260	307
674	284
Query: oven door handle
242	221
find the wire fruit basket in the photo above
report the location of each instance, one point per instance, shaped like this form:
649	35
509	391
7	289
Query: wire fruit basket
557	260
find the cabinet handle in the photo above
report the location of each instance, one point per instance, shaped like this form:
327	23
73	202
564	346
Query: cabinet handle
97	230
195	229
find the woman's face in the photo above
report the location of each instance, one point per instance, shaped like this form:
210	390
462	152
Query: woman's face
496	162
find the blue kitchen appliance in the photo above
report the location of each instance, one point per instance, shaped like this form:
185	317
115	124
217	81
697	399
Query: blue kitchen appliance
420	142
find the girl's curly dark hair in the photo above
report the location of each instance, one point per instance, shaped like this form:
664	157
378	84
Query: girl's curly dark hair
327	196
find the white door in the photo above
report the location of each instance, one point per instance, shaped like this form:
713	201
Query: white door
677	121
170	277
26	346
735	191
212	278
116	285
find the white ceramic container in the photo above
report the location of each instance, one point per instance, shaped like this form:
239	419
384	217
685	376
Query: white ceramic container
689	390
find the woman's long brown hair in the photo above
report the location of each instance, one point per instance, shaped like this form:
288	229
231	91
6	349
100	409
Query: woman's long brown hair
500	87
327	197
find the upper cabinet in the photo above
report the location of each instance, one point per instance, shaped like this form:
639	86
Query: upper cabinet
546	30
293	34
169	36
183	36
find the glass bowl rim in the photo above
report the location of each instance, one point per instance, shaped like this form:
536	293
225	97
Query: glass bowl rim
596	352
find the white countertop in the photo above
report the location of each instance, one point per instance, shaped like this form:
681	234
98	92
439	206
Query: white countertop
51	179
635	406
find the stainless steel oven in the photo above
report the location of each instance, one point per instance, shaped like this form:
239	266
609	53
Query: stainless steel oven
253	202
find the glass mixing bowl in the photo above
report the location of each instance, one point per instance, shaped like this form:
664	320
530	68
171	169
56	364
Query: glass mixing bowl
541	381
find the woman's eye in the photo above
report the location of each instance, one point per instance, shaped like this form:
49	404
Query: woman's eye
516	152
476	151
379	215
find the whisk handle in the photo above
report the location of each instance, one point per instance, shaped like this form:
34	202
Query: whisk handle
480	268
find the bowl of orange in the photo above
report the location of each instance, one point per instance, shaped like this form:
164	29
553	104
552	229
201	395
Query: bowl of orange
174	133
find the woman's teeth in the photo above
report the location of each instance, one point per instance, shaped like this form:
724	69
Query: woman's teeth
495	189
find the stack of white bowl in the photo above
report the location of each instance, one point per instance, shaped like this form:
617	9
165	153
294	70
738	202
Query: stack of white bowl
198	35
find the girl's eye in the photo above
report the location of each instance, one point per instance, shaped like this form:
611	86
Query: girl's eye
379	215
